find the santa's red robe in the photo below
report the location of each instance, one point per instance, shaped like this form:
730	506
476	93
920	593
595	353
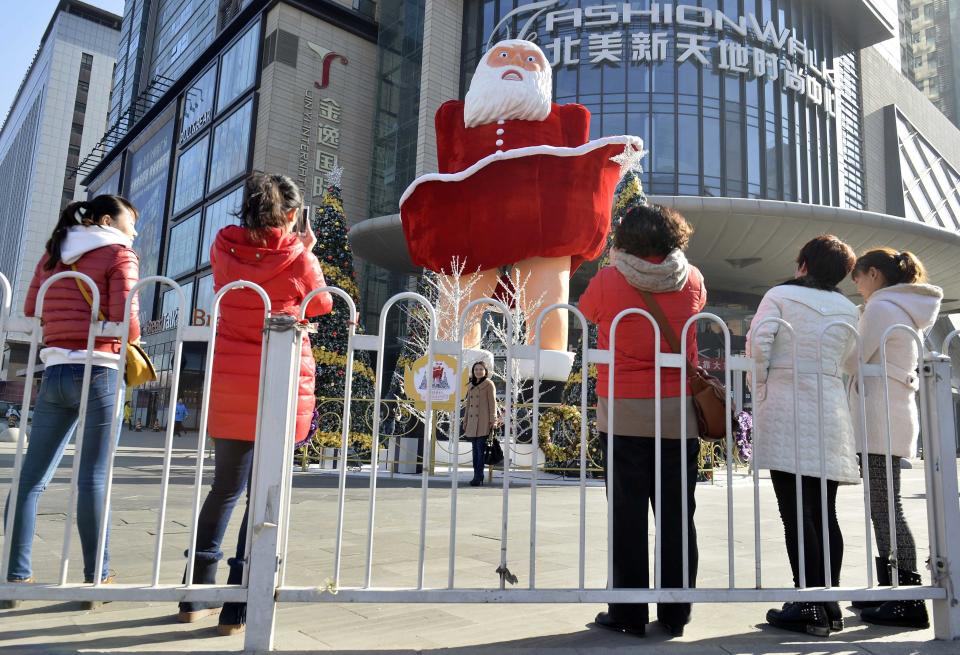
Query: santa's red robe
511	190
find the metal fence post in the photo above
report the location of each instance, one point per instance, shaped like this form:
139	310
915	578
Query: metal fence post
942	458
282	337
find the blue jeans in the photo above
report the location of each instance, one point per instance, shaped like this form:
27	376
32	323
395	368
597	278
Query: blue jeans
54	422
233	466
479	450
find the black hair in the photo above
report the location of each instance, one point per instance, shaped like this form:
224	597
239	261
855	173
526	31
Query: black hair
266	200
828	261
86	213
651	230
475	381
895	267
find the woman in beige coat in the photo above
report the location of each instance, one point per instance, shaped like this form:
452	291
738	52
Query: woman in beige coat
480	417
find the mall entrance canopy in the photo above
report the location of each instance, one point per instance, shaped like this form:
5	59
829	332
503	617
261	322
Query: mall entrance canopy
742	244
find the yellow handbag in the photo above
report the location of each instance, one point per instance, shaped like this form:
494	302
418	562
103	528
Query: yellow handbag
139	368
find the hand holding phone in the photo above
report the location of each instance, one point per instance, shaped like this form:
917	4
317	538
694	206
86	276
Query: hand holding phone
302	230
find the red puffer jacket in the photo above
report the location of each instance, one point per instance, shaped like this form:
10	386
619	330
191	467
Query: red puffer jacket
287	272
115	269
607	295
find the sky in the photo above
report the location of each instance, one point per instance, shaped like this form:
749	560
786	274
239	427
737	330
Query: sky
28	21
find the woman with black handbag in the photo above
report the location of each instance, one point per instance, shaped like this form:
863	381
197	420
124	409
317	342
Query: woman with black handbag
480	417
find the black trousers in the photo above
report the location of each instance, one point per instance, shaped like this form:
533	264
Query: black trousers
784	485
634	492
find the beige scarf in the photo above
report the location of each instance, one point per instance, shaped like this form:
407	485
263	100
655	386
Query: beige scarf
669	275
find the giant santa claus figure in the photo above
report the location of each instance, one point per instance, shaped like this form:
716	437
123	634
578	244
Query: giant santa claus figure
520	186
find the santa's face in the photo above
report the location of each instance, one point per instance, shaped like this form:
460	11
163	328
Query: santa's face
512	82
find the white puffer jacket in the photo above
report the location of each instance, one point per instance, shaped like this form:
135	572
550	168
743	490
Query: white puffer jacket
809	312
913	305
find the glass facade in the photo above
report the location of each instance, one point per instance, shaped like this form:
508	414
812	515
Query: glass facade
714	123
931	186
400	45
213	156
145	184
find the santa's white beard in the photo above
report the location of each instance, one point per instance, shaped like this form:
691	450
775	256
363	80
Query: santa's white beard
491	98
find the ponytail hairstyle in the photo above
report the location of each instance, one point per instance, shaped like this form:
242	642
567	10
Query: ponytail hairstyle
266	200
84	213
896	267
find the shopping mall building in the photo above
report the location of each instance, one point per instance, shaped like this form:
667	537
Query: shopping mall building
767	122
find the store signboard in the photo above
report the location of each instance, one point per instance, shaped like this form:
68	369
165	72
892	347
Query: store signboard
622	34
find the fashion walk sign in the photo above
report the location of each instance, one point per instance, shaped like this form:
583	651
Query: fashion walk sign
620	34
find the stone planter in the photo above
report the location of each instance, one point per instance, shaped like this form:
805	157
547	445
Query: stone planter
408	455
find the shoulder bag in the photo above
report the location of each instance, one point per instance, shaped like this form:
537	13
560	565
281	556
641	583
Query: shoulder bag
708	394
139	369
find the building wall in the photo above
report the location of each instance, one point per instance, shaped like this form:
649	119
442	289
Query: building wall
930	51
282	120
440	77
881	87
55	76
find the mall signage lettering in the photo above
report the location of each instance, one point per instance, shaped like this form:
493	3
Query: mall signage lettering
744	46
193	128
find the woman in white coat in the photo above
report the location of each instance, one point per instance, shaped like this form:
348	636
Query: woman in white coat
894	292
816	415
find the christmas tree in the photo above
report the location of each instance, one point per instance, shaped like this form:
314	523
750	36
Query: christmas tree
330	340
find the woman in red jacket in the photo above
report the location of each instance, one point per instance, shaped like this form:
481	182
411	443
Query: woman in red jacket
648	271
264	250
95	237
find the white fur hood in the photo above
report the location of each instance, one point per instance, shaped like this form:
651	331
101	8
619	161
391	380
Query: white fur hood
82	239
921	302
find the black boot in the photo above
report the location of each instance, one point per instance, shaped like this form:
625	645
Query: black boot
883	580
900	613
605	620
834	615
810	618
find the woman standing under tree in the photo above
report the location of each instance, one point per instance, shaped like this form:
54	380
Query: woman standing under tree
480	417
894	292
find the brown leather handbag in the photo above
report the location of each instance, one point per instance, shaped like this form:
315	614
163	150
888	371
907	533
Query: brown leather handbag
707	393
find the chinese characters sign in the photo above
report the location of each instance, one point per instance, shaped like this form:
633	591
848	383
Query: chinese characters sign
618	34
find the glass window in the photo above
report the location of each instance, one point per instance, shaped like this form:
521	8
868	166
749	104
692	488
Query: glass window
734	159
145	184
169	310
204	305
182	255
711	147
664	145
239	68
219	215
231	142
191	174
689	146
198	105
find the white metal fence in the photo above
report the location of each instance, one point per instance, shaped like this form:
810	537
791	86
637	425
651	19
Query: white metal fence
265	577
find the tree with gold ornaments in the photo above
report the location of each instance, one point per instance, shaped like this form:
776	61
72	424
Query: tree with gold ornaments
330	340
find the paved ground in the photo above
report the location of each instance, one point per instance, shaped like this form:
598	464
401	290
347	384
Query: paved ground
731	629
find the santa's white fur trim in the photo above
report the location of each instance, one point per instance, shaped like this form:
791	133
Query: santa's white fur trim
555	366
473	355
518	153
